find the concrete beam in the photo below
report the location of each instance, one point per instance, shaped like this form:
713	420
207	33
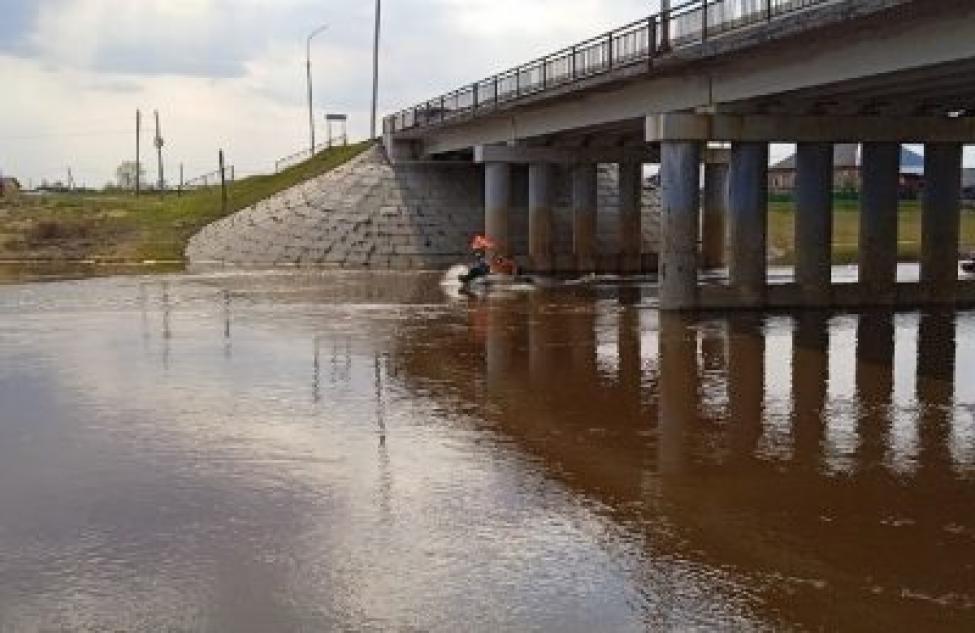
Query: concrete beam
565	155
683	126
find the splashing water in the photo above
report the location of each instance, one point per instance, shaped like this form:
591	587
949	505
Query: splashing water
452	276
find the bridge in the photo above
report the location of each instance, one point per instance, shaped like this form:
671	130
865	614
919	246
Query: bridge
702	88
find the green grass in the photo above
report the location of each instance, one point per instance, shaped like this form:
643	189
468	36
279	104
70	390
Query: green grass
846	230
118	227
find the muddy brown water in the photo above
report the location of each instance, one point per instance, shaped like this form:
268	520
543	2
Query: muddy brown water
354	452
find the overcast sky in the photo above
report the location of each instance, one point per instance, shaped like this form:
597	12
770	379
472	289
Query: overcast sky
230	73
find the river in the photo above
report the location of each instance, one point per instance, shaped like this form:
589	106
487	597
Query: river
326	451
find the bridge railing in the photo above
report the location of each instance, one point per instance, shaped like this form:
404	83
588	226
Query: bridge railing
689	23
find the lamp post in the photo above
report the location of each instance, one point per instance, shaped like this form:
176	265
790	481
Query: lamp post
311	114
375	70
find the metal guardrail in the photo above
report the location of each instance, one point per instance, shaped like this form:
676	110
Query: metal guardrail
684	25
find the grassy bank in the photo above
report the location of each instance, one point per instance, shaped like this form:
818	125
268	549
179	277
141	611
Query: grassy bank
119	228
846	230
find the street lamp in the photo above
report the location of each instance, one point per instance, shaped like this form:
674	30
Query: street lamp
375	70
311	114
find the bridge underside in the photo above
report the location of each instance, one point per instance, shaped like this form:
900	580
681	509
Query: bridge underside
874	72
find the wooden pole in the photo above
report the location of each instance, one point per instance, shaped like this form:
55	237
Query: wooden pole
179	192
223	185
138	128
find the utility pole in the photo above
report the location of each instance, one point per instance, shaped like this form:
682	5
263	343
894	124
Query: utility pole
375	70
159	146
311	114
138	130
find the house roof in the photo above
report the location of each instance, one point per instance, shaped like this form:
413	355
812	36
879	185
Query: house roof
847	156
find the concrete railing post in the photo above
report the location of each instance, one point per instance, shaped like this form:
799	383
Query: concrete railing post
497	205
878	221
714	238
814	221
630	227
941	220
680	165
584	216
540	216
748	218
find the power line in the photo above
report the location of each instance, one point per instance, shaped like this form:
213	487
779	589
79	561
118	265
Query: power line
43	135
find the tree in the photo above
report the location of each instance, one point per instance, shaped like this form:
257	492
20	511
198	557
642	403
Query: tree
126	172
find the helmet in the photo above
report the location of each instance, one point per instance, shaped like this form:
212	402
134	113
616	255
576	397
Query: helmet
482	243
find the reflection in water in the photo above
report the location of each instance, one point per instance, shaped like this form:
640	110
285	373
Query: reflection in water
563	460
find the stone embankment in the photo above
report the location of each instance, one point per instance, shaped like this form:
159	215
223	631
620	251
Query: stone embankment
369	213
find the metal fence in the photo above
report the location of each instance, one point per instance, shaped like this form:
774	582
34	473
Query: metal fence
684	25
209	179
299	157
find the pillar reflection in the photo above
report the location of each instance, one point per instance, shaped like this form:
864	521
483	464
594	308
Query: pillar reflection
810	383
936	353
678	389
874	386
746	382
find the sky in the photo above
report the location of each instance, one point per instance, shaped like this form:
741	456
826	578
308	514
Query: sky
230	74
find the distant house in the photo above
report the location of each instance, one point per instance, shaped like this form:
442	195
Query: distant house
9	186
846	172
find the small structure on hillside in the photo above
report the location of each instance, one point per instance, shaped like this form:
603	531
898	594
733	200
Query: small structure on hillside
9	186
846	172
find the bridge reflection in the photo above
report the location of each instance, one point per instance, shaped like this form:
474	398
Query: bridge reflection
828	456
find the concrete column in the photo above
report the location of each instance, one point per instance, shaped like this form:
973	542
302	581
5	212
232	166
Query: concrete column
713	226
941	220
497	204
878	221
631	204
748	216
540	216
680	174
584	216
814	221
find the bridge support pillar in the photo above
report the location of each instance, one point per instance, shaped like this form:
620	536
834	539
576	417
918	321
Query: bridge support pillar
680	175
748	215
940	220
631	207
814	221
497	205
713	231
878	221
584	216
540	216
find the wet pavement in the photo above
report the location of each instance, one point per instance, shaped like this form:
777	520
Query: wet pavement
349	451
